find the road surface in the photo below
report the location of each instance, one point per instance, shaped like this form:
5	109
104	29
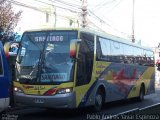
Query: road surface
82	114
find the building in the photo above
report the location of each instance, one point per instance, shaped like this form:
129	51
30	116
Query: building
37	14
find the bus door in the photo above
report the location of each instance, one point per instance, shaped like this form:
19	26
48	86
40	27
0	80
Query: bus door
85	59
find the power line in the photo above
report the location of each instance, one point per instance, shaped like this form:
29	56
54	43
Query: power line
92	14
113	7
114	2
35	8
66	3
78	1
99	28
70	8
25	5
102	21
31	7
44	3
103	3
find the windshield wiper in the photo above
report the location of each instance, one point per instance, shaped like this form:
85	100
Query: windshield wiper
41	60
39	63
37	67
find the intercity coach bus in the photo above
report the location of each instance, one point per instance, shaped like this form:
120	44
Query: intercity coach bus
72	68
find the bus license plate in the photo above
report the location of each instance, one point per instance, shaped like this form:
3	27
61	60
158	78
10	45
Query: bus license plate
39	100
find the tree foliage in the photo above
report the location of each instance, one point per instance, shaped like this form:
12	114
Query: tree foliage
8	19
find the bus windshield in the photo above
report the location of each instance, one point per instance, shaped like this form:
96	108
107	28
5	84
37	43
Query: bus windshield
43	57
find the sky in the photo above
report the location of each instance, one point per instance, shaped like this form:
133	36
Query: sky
118	13
116	16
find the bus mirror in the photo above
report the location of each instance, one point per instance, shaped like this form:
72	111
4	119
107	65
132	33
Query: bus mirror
7	46
11	48
73	47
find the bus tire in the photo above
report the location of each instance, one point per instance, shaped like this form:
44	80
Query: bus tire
141	93
98	102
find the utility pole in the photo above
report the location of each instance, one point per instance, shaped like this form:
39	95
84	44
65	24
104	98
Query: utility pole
55	19
133	38
84	13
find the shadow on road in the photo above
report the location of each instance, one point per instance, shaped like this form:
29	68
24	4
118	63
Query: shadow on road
69	114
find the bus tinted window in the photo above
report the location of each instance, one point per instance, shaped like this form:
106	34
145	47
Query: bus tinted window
113	51
136	51
105	45
98	50
116	48
85	61
128	50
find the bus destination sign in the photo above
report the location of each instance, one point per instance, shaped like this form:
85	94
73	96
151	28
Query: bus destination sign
51	38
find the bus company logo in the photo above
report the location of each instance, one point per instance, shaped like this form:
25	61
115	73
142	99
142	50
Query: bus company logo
39	87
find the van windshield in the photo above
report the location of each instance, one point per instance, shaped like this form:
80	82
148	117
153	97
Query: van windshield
43	57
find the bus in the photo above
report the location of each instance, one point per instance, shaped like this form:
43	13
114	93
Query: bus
4	81
74	68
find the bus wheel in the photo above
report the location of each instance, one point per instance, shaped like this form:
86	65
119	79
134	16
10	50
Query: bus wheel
141	94
98	101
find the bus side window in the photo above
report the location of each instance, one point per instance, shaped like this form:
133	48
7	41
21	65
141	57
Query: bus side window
98	50
81	77
103	49
85	61
81	69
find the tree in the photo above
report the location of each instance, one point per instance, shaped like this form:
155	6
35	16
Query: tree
8	20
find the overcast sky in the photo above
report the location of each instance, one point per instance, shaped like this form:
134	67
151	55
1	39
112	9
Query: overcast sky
118	13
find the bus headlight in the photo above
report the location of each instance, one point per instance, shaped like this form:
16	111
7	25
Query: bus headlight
64	90
17	89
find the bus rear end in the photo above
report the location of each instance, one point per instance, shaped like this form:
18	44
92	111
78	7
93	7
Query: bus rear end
45	70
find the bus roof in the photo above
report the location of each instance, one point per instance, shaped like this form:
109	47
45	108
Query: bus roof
98	33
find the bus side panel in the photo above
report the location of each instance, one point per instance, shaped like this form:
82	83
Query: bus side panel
122	81
105	73
111	76
4	79
147	78
151	86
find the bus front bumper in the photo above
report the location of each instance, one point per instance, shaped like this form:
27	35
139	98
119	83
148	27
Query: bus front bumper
67	100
